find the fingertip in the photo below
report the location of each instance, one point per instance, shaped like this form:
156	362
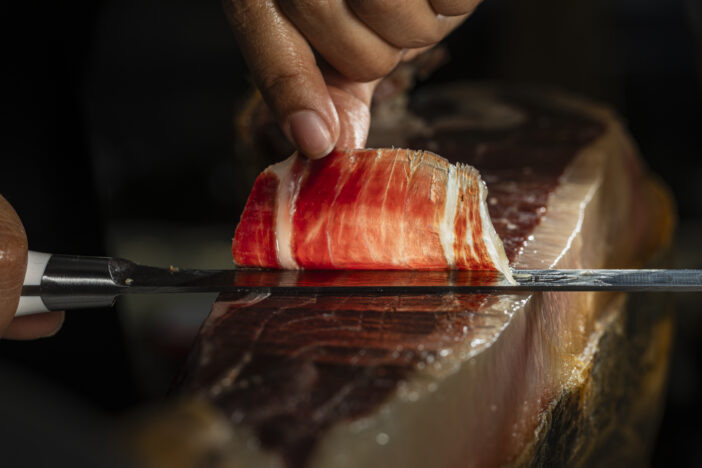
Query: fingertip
310	134
30	327
57	324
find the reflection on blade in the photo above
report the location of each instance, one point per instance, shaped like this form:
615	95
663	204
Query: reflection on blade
139	279
370	278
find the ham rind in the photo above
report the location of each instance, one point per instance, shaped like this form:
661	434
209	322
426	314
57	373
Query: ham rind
453	380
369	209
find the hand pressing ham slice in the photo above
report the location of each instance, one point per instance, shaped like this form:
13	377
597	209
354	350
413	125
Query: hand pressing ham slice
369	209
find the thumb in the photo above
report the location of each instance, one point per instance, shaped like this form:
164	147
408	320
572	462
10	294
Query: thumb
13	263
352	101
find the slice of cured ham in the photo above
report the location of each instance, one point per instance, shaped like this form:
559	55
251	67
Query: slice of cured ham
369	209
455	380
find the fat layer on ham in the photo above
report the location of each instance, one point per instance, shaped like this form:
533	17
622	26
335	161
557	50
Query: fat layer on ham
369	209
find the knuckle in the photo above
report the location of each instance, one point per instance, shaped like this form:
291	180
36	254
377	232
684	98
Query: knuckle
279	83
415	36
426	37
397	23
371	8
454	7
306	10
371	68
418	36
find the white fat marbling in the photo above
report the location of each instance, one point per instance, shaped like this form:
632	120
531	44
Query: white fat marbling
447	234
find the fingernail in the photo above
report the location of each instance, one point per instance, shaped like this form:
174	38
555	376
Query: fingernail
310	134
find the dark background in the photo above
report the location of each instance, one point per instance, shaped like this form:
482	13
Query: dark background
120	120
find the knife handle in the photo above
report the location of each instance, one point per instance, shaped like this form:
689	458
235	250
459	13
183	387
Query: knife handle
36	265
58	282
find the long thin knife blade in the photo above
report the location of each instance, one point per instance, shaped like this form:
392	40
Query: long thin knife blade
71	281
411	282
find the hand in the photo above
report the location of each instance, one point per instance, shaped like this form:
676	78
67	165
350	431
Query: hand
13	263
322	103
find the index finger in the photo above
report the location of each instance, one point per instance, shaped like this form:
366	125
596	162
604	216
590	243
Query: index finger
285	71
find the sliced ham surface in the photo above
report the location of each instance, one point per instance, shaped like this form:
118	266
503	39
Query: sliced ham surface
369	209
454	380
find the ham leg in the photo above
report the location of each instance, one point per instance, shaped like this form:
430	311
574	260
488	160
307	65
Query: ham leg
452	380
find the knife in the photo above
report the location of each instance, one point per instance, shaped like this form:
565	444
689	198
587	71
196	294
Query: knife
59	282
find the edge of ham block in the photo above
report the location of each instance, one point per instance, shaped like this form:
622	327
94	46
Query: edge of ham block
493	396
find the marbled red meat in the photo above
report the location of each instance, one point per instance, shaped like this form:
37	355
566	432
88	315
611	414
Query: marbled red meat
369	209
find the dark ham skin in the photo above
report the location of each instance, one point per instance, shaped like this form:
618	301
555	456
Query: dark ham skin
454	380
